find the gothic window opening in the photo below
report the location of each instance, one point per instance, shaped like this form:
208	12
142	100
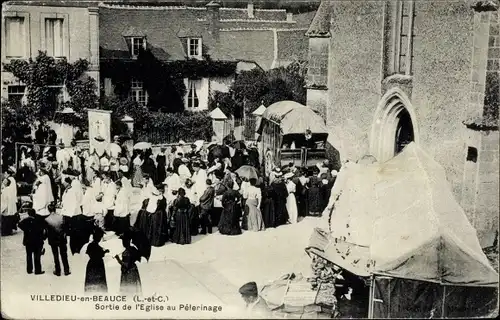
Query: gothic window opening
136	44
472	154
404	131
404	47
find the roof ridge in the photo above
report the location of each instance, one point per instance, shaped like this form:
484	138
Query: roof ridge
245	9
262	29
144	7
257	20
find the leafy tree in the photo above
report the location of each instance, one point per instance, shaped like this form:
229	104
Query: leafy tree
42	77
255	87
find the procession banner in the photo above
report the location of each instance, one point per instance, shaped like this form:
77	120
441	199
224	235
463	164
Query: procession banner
99	131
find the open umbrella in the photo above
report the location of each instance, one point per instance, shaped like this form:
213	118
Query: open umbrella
218	151
248	172
142	146
240	145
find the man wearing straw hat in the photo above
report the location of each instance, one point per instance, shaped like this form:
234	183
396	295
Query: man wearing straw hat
256	307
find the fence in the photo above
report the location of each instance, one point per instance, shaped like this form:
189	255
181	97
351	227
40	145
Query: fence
242	129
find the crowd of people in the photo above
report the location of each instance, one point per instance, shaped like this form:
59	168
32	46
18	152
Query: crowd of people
167	197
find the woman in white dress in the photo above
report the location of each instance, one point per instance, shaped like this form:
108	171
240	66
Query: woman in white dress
253	201
291	202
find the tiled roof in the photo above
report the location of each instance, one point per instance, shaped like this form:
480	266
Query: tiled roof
55	3
239	38
259	14
164	31
320	26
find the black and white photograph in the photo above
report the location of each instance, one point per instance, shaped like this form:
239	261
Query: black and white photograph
250	159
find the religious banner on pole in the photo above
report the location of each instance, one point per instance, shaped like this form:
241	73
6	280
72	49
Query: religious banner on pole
99	131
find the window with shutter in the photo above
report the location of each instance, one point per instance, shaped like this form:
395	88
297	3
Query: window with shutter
15	37
54	37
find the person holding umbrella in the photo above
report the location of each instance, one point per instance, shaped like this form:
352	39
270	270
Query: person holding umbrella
130	281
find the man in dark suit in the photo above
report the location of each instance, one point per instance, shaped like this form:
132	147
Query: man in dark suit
34	228
256	307
57	240
206	206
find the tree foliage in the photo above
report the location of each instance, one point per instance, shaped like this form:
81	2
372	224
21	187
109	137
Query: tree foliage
41	75
255	87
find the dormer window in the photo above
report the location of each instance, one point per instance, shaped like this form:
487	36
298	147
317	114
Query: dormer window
194	47
136	44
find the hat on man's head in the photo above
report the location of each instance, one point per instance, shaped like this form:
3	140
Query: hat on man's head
185	160
123	161
11	170
249	289
61	144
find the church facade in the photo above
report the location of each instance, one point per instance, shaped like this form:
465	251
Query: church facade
385	73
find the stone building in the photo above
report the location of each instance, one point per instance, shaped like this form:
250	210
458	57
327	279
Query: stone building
385	73
250	37
69	30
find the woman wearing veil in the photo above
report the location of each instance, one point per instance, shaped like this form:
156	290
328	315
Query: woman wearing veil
137	163
130	281
95	274
181	211
229	223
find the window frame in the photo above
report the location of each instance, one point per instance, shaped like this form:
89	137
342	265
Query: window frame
26	34
409	34
137	91
199	47
192	99
64	29
134	54
16	94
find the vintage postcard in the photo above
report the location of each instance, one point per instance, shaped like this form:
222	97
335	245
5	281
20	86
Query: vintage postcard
244	159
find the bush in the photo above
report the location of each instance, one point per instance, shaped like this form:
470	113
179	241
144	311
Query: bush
170	127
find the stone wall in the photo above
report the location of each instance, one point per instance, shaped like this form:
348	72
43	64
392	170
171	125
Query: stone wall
317	74
354	75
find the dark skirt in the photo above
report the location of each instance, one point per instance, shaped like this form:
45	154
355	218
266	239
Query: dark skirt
130	282
229	223
195	221
314	200
95	276
157	232
182	228
80	230
267	209
303	203
9	224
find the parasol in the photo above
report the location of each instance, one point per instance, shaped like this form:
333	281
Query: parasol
142	146
248	172
140	241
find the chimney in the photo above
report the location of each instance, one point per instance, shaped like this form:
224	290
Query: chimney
213	18
289	17
250	10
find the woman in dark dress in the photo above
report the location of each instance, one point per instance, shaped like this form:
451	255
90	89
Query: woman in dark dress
95	275
148	166
267	206
158	228
279	195
161	166
181	210
325	191
130	282
229	223
314	194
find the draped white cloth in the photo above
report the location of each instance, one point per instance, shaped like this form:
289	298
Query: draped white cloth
122	203
42	195
173	182
9	195
291	202
200	182
109	194
70	207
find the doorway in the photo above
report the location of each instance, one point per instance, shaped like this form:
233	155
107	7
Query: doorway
404	131
394	125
